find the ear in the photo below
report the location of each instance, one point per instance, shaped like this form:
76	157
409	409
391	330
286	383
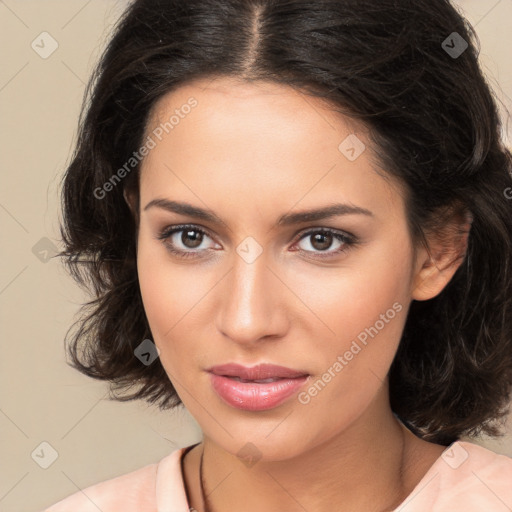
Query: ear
130	199
436	264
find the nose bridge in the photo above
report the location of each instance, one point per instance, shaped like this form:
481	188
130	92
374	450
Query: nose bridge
250	300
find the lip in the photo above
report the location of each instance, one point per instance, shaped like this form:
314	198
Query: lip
255	396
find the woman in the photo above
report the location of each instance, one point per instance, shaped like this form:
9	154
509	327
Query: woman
293	217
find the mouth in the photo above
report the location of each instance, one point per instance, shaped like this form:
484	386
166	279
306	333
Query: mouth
261	372
257	388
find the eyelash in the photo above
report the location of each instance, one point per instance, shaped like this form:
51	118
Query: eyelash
349	241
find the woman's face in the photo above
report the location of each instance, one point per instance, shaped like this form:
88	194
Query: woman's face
259	285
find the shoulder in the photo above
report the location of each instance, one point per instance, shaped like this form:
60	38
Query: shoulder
471	478
132	492
468	460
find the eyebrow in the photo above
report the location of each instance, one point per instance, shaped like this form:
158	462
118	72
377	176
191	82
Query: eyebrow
288	219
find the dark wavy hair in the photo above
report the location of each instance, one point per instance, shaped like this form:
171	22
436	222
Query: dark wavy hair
434	124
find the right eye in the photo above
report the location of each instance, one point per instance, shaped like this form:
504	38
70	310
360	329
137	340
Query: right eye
183	240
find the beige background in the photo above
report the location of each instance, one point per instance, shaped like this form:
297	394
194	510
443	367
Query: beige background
41	398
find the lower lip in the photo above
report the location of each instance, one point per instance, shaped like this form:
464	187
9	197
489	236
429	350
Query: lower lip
252	396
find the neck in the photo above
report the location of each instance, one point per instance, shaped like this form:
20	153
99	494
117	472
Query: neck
366	467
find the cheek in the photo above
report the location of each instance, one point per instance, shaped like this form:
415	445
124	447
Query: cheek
352	298
169	295
367	322
365	308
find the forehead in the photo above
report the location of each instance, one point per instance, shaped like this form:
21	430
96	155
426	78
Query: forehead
257	102
262	142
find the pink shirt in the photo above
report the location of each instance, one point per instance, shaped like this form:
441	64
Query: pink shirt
465	478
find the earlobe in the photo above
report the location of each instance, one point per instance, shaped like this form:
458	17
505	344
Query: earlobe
437	265
431	280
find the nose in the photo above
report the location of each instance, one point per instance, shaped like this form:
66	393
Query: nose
252	303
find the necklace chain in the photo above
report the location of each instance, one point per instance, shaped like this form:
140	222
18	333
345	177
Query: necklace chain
201	480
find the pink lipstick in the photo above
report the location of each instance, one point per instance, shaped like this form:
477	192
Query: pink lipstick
258	388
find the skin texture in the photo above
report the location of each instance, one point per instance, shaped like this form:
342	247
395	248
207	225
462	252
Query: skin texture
251	153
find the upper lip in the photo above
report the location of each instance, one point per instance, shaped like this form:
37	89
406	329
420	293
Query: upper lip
258	372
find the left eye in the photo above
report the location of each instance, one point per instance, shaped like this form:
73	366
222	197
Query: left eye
322	239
